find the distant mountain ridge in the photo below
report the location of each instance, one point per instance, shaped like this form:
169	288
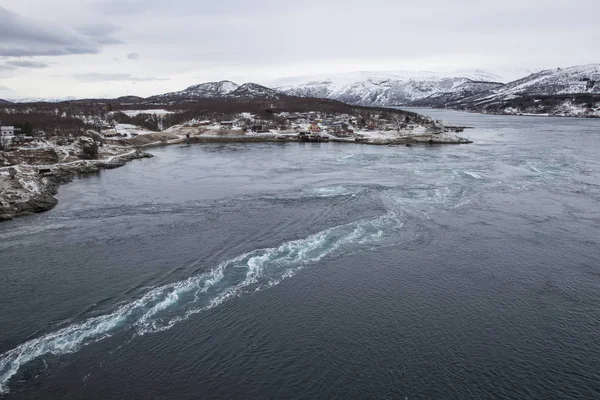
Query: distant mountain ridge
583	79
388	88
390	92
221	89
573	91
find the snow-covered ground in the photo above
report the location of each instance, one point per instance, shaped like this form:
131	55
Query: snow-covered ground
576	110
157	112
565	109
127	130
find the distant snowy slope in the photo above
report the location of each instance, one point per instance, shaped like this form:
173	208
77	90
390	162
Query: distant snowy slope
41	100
460	92
561	81
383	88
573	91
202	91
344	79
253	91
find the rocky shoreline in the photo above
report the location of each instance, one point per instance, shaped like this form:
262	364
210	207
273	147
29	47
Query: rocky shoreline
30	189
438	138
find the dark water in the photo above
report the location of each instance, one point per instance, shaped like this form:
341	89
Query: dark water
304	271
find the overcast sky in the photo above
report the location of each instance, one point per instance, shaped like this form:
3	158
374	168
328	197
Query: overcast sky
100	48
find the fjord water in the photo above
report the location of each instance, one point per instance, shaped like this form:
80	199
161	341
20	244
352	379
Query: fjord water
301	270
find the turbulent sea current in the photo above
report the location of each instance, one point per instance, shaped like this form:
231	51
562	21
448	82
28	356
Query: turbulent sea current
317	270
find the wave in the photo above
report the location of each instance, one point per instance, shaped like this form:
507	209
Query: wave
473	174
332	191
164	306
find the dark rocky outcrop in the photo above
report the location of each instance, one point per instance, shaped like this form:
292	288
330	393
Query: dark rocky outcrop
19	201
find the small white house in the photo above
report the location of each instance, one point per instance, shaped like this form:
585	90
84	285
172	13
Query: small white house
7	135
7	131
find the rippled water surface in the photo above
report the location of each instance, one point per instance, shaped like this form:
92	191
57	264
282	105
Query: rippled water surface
317	270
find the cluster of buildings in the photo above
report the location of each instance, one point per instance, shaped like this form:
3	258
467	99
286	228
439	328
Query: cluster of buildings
340	125
314	123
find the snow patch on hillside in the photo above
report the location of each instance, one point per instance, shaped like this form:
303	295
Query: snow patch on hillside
134	113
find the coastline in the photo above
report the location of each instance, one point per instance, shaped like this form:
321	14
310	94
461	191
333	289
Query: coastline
32	188
27	189
403	140
509	114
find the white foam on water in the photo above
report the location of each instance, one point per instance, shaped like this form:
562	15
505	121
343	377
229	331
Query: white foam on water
464	201
473	174
533	168
164	306
331	191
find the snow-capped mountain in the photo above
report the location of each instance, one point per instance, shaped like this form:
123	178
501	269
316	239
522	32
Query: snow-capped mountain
5	101
387	88
584	79
222	89
202	91
563	91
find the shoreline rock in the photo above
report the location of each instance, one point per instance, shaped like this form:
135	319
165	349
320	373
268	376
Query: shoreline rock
32	189
411	139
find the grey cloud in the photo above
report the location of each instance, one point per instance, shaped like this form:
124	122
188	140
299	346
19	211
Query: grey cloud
26	64
24	36
98	77
4	88
133	56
